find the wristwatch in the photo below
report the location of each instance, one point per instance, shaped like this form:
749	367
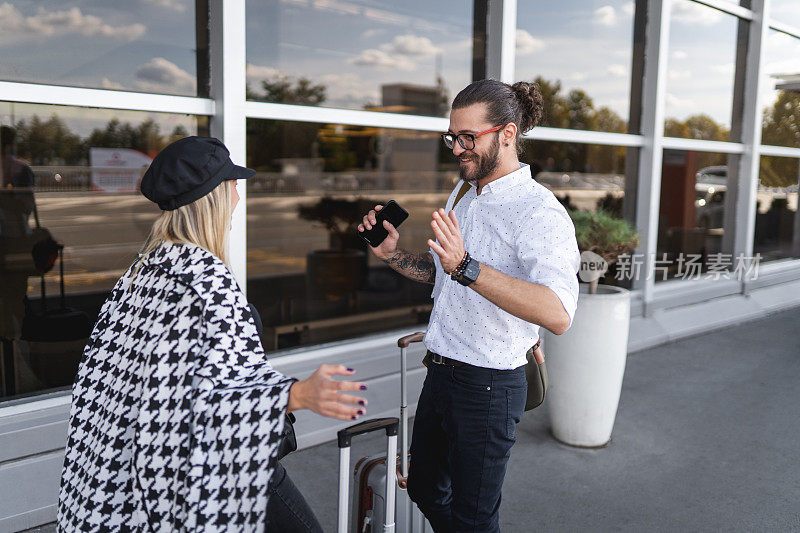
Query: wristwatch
471	271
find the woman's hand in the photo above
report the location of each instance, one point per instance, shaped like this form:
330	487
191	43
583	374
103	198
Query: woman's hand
323	394
450	247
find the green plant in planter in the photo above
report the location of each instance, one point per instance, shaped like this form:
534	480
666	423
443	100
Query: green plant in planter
600	232
339	216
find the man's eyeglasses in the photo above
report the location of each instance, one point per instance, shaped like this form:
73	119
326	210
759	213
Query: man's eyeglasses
466	140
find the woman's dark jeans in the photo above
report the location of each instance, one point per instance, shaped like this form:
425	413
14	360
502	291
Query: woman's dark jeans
287	510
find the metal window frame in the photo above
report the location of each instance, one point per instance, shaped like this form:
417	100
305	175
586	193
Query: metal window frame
228	86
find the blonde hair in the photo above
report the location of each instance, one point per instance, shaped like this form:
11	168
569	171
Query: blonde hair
204	222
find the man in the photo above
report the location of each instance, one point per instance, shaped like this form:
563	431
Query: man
504	263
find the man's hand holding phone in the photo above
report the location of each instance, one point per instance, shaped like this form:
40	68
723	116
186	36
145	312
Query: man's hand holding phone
389	245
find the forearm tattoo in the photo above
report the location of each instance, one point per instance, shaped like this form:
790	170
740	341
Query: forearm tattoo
418	267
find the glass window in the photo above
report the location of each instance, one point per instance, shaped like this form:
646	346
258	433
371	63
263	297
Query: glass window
310	276
582	176
580	52
409	57
782	91
691	215
786	12
144	46
777	220
701	68
70	177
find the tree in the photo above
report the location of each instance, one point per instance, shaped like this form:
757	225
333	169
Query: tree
270	140
781	127
49	142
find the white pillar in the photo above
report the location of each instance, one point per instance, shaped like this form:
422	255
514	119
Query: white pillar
651	154
227	21
744	179
501	39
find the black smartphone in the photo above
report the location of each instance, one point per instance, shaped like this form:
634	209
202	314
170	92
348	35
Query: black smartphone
391	212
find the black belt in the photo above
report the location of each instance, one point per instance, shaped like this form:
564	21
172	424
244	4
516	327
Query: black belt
431	357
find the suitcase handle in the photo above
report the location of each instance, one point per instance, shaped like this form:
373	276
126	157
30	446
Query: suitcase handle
404	342
345	435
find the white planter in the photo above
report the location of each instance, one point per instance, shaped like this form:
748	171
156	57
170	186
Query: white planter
585	367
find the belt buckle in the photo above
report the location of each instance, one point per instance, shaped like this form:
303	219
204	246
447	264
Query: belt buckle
438	359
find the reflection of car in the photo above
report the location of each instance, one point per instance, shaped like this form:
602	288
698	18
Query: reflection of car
710	187
271	183
340	182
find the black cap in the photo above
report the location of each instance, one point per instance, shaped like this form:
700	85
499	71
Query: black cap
187	170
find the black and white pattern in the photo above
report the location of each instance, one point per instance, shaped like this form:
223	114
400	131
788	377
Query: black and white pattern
176	413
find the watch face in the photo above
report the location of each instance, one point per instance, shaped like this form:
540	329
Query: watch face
472	270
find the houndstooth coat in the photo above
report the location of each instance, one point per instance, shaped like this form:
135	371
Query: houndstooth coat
176	414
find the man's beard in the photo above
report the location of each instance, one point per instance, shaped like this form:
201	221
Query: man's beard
485	164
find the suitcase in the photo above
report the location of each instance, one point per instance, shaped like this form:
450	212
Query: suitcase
344	437
55	337
369	475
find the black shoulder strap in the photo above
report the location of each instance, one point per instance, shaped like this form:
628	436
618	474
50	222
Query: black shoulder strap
461	193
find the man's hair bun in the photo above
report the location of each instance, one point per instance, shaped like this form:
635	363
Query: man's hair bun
530	102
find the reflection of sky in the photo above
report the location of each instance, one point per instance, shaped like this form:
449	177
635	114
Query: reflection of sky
782	58
584	44
82	121
145	45
701	59
353	47
786	11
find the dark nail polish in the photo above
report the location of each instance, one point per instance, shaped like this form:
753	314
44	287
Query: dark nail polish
360	411
361	402
353	417
363	387
350	370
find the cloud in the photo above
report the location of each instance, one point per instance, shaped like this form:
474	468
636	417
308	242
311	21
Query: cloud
691	13
174	5
679	106
674	74
679	54
381	60
349	89
70	21
257	73
605	16
628	9
372	32
411	45
159	74
527	43
725	68
619	71
396	54
108	84
575	76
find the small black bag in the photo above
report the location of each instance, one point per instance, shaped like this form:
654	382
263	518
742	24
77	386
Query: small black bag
536	375
289	442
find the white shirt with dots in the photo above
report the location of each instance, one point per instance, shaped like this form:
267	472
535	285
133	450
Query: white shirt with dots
518	227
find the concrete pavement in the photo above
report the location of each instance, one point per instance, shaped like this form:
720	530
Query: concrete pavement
706	439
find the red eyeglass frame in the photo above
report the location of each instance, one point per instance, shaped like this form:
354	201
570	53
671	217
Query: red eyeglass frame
456	137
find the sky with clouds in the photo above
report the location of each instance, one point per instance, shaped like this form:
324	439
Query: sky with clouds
354	47
140	45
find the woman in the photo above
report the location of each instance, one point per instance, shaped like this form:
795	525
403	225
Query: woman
177	415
